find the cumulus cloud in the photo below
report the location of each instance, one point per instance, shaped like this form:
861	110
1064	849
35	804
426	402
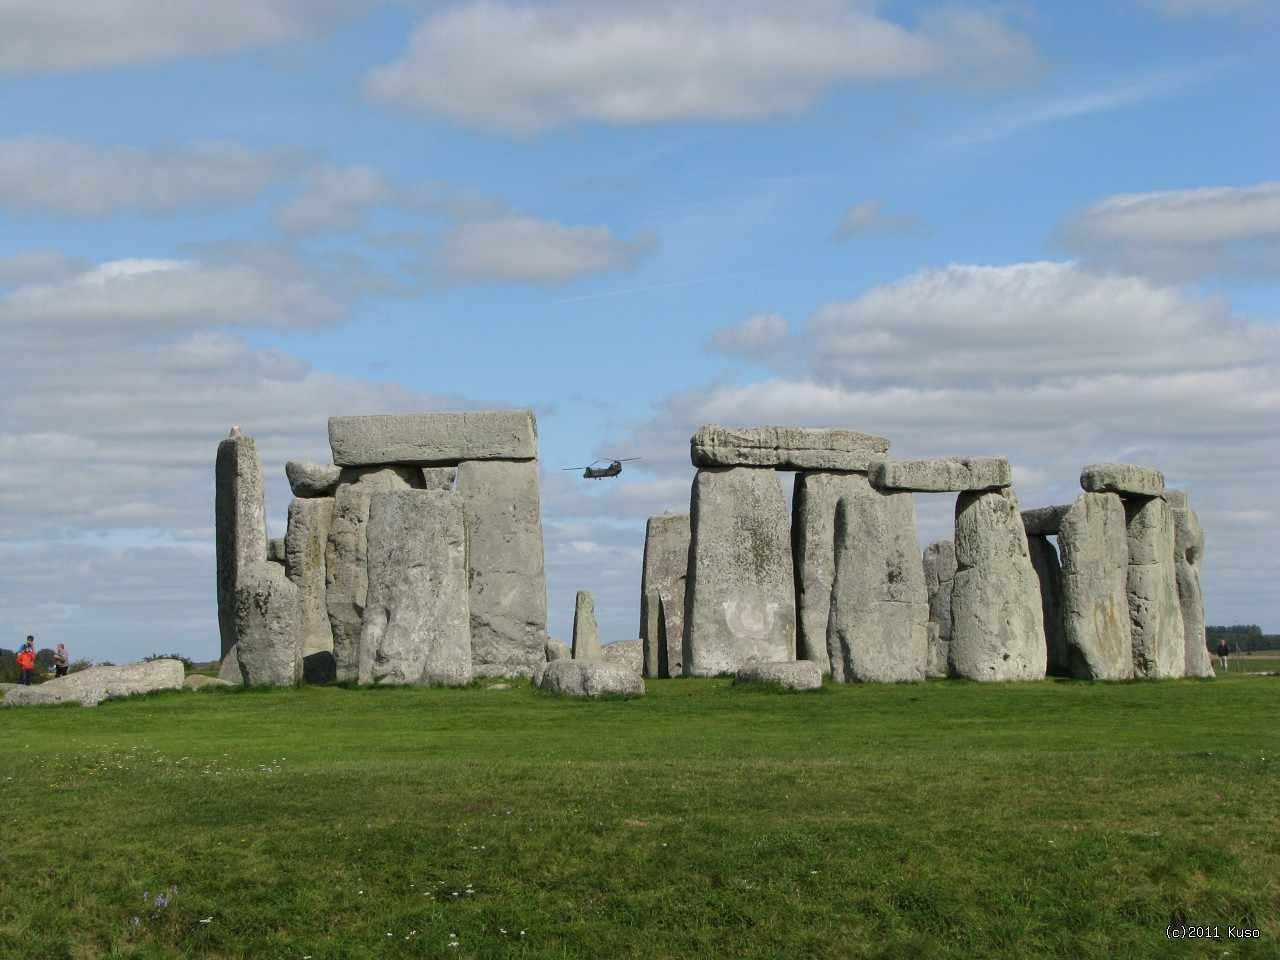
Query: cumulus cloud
54	35
46	175
869	217
760	339
336	198
522	68
1180	235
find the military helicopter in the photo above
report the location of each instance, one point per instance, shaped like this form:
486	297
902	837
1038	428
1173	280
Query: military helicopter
594	472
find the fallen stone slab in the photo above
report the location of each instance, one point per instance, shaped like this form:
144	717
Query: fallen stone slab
785	448
792	674
433	439
90	687
198	681
307	479
1044	521
941	474
626	653
588	678
1122	478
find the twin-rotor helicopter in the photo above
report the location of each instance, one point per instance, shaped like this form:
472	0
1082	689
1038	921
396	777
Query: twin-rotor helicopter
594	471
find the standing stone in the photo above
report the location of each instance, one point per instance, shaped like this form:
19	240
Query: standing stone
416	621
653	635
1159	649
665	570
740	596
240	518
346	553
508	594
879	606
939	563
1188	539
586	635
305	542
813	547
1044	560
267	622
997	627
1095	606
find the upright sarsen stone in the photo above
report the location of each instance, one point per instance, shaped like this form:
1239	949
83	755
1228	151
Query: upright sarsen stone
416	625
813	546
879	606
653	635
739	599
1159	649
269	650
240	523
305	543
1188	537
508	594
1048	568
939	563
586	635
997	626
1095	607
664	572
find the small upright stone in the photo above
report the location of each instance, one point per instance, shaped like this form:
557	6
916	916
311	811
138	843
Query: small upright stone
1188	539
305	542
939	562
240	517
1095	609
941	474
665	571
741	592
267	618
1159	649
785	448
997	626
1123	478
586	635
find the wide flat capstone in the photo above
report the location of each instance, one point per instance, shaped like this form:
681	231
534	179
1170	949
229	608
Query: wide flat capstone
942	474
1122	478
785	448
433	439
1044	521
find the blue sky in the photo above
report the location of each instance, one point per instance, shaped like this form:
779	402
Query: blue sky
1049	231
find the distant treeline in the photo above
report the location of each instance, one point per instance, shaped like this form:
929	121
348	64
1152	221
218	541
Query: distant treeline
1242	638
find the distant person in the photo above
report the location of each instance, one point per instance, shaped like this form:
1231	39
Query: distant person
61	660
1222	653
27	661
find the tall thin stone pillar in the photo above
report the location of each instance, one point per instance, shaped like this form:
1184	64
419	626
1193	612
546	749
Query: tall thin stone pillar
1189	548
240	523
665	571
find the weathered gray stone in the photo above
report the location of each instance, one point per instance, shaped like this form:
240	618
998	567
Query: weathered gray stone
439	478
433	439
653	636
198	681
588	678
1045	562
1044	521
879	606
997	627
1095	609
939	563
740	595
417	625
1123	478
508	582
1188	541
305	542
95	684
268	624
346	553
586	635
626	653
307	479
275	550
229	669
813	548
556	650
1176	499
936	659
793	674
665	569
1159	649
240	516
941	474
785	448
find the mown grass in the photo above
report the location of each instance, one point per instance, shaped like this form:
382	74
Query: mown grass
939	820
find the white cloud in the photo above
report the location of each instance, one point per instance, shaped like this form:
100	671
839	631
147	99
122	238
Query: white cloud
336	198
868	217
46	175
519	248
53	35
521	68
760	339
1182	235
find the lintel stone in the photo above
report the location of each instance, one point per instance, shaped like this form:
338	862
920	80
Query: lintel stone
1122	478
433	439
1044	521
786	448
942	474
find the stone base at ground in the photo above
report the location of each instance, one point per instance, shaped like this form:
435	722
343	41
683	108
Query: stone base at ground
793	674
588	678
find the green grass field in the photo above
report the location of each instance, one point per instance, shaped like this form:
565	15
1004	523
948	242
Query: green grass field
947	819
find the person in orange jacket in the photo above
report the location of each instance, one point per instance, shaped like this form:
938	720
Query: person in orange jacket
27	660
